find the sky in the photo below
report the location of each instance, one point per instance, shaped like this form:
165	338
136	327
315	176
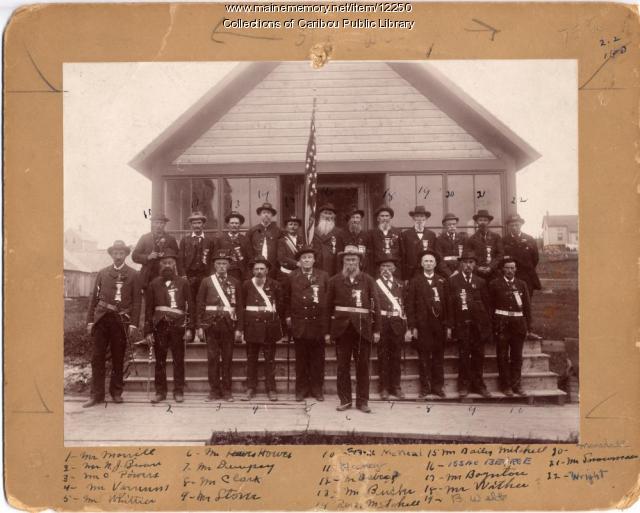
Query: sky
114	110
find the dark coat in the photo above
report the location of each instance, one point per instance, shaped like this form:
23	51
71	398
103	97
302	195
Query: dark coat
479	244
263	327
309	319
501	297
287	257
191	264
423	311
158	294
524	249
363	241
395	249
327	247
450	248
412	246
105	290
256	236
397	324
341	293
208	296
146	245
238	248
478	306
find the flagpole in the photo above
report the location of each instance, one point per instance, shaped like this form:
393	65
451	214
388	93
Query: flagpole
310	186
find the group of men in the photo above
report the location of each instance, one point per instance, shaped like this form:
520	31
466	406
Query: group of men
350	287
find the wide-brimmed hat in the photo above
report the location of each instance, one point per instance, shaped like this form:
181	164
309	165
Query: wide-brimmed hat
429	252
119	244
234	213
259	260
159	217
196	215
514	218
449	217
483	213
304	250
384	208
353	211
266	206
420	210
169	253
468	255
385	259
221	254
350	250
327	206
292	219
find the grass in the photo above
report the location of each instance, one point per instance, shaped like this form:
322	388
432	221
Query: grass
555	315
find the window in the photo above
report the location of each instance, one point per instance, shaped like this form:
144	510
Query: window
407	191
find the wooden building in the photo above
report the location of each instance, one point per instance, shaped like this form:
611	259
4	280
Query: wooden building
560	231
387	132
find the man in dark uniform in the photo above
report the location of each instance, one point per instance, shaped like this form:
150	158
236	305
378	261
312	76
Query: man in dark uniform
487	246
195	252
511	308
308	322
236	245
428	320
328	240
263	319
169	314
288	246
114	312
151	247
450	245
219	313
415	240
386	240
356	235
394	330
355	322
263	237
471	321
524	250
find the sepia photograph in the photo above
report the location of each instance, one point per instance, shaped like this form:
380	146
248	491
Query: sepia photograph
320	252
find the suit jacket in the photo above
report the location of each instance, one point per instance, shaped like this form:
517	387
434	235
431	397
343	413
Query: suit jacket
398	290
344	293
208	296
472	306
286	256
196	262
126	299
524	249
147	244
238	248
427	310
383	246
483	246
450	248
363	241
159	294
263	327
308	311
328	246
412	245
502	297
256	236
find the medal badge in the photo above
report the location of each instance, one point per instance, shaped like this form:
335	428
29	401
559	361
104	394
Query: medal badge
333	244
172	296
315	289
356	294
119	283
460	250
425	244
463	299
387	245
362	248
488	254
205	252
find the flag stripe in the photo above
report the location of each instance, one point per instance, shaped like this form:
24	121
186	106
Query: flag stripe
310	180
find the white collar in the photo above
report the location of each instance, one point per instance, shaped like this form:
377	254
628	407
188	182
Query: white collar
468	278
510	282
119	268
194	234
429	276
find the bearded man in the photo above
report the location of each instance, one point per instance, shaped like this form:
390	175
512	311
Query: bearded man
356	235
386	240
328	240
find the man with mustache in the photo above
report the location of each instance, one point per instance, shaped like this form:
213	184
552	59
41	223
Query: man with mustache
487	246
169	314
263	325
195	252
263	237
386	240
450	244
236	246
288	246
328	240
354	309
415	240
356	235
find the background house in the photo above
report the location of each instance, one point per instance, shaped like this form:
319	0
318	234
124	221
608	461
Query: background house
560	230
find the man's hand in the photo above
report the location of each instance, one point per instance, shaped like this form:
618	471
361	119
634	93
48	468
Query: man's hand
289	322
89	328
132	330
327	338
448	333
453	273
408	336
149	339
199	335
188	335
414	333
153	255
238	337
376	337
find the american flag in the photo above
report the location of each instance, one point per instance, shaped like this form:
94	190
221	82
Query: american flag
311	180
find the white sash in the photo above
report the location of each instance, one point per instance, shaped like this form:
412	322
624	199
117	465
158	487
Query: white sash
220	291
265	298
390	297
290	244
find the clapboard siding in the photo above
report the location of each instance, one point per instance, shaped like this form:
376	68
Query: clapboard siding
363	111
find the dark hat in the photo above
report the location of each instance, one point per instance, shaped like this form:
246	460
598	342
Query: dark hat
429	252
383	208
514	218
449	217
327	206
260	260
420	210
353	211
292	219
304	250
119	244
266	206
221	254
507	259
197	216
169	253
350	249
234	213
468	255
160	217
483	213
386	259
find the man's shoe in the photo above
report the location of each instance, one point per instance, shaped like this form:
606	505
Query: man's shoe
158	398
343	407
92	402
533	336
228	397
440	393
213	396
398	394
250	395
507	392
485	393
384	395
178	396
319	396
463	392
271	394
299	396
364	408
519	391
423	394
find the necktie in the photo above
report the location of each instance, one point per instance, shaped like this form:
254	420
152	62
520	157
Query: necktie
389	284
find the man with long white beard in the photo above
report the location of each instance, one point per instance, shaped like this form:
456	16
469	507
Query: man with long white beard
450	244
169	314
328	240
357	236
386	240
415	240
354	309
263	237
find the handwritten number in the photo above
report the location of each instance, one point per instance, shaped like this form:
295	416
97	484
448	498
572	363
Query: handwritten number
450	194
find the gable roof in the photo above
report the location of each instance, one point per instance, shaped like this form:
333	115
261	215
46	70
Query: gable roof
570	221
260	112
78	235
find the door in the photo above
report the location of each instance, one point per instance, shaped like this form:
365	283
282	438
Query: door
344	196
